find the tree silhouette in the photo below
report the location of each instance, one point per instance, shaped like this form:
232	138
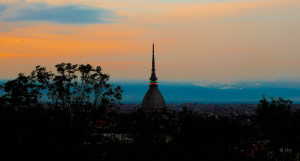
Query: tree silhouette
273	117
274	122
22	92
73	97
70	86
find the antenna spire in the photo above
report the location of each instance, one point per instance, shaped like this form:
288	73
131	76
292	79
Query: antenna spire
153	79
153	59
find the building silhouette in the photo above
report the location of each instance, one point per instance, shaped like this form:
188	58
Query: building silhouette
153	100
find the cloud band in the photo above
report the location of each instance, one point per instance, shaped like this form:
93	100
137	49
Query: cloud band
66	14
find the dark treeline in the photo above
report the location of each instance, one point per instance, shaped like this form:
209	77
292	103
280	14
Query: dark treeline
77	118
50	113
70	85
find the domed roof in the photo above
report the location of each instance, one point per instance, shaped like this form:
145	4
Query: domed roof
153	99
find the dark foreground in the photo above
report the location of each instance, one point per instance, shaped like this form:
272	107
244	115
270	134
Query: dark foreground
90	134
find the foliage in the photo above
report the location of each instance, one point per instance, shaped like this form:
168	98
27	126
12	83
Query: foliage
70	86
22	92
273	118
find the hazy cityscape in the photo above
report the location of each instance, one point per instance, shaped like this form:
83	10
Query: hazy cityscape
208	109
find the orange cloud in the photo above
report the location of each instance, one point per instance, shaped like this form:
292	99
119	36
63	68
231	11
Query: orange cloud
200	41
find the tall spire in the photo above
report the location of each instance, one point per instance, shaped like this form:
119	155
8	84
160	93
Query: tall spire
153	79
153	60
153	100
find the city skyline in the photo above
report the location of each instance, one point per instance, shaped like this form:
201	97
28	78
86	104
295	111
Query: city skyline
196	41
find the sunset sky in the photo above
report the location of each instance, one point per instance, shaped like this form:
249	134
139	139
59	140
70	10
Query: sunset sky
196	40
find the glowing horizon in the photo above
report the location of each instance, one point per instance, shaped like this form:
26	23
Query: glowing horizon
219	40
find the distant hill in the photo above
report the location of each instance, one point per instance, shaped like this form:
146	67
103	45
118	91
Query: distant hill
242	92
222	93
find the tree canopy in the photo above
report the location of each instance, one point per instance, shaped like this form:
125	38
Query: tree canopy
70	85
